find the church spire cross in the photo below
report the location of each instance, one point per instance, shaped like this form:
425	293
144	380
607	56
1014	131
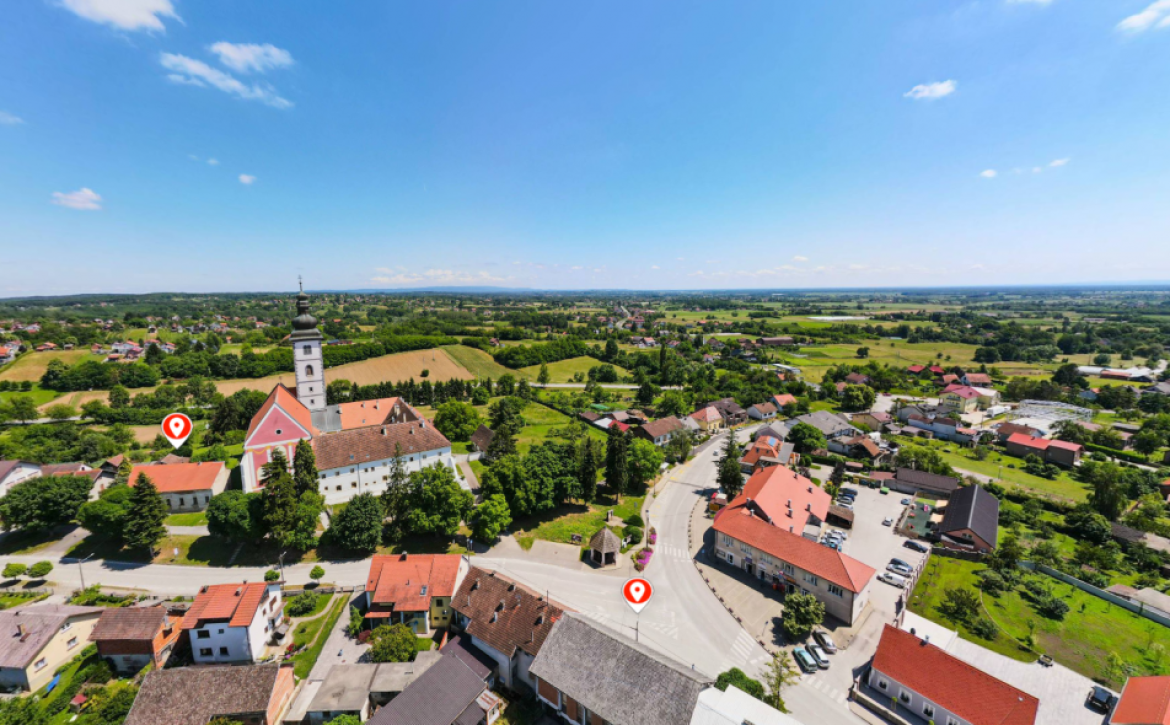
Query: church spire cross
301	282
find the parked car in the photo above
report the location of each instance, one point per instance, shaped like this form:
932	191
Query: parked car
916	546
819	655
804	660
900	562
1100	699
899	569
892	579
825	641
846	506
906	502
849	491
888	521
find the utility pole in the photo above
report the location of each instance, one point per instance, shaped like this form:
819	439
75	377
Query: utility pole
82	571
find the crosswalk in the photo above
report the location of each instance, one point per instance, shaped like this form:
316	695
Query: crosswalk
825	688
674	552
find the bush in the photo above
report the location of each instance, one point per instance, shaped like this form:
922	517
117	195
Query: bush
271	575
301	604
984	628
1052	608
40	570
992	582
635	520
634	534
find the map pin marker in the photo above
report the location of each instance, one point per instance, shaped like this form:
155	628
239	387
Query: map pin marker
637	594
176	428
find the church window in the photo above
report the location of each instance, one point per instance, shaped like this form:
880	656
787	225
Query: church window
308	349
308	370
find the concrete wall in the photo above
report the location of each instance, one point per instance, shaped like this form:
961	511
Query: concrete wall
1135	607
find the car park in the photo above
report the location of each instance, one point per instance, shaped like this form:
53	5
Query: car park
900	569
846	506
819	655
804	660
849	491
825	641
900	562
1100	699
916	546
892	579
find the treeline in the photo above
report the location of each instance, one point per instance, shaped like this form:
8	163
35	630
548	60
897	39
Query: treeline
522	356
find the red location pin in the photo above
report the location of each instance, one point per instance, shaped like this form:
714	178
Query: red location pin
637	594
176	427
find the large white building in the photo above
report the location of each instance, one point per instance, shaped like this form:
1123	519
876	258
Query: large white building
355	443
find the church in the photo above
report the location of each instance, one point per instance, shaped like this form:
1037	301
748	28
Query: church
354	443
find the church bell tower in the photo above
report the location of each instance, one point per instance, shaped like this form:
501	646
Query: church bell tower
308	360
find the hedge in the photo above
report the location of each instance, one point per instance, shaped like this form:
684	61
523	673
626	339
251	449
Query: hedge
1123	455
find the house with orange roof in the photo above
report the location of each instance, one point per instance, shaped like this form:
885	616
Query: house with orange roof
708	419
413	589
938	687
233	622
185	486
1061	453
763	541
768	451
1144	701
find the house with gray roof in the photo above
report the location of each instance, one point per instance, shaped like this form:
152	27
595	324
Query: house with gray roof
255	694
448	693
831	425
971	520
357	689
36	640
589	673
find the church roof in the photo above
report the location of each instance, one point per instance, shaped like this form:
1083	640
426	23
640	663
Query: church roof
287	401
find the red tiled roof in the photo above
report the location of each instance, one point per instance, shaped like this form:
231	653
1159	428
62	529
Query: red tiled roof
783	399
963	391
708	414
398	580
1027	441
1065	445
286	399
978	378
1144	701
180	477
235	602
359	414
829	564
773	488
915	369
950	683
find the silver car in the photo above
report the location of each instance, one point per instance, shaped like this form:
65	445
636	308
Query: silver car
825	641
900	569
892	579
819	655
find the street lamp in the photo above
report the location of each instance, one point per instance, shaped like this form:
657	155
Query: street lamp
280	559
82	571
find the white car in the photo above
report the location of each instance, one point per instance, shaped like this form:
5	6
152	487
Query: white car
888	521
892	579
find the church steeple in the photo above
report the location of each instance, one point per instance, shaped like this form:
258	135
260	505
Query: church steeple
308	360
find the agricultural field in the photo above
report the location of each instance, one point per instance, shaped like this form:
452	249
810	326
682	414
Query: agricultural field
32	365
43	398
1083	641
477	362
814	360
563	371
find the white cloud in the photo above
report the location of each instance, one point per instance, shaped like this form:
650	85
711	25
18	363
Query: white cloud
246	179
576	267
213	162
185	80
193	157
1059	162
654	266
124	14
436	277
1156	15
931	91
250	57
1036	169
988	174
196	72
7	119
83	199
799	258
681	259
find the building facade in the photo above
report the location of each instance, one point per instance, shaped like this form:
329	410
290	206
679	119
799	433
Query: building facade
232	623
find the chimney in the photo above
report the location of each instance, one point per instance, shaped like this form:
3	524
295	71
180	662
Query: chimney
808	507
810	489
512	587
789	503
403	557
495	616
926	640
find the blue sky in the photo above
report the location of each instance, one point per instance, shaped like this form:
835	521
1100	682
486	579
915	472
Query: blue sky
150	145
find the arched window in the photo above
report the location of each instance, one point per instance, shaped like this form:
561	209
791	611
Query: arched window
308	349
309	370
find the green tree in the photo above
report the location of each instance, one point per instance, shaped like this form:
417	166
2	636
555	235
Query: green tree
1108	496
317	573
114	704
60	412
778	675
1085	524
617	466
145	516
645	460
284	512
397	493
806	438
921	458
43	503
1007	555
40	570
305	468
1146	442
457	420
858	397
119	397
122	477
802	612
587	470
673	403
730	475
237	516
392	643
503	443
13	570
359	525
960	604
107	516
490	518
543	377
23	408
437	502
736	676
646	393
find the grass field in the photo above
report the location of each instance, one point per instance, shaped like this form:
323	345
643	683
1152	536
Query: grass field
477	362
1091	630
563	371
43	398
78	399
560	524
32	365
814	360
194	518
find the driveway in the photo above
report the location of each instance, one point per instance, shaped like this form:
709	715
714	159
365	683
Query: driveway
339	648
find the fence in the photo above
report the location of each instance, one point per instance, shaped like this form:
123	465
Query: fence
1137	608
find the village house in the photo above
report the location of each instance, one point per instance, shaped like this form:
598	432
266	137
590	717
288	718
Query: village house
636	685
449	692
413	589
831	425
1062	453
874	420
38	639
970	520
185	486
130	638
909	480
1003	431
939	687
1143	701
358	689
962	398
762	411
775	342
780	554
256	695
659	432
233	622
732	413
13	472
977	380
708	419
768	451
782	400
506	621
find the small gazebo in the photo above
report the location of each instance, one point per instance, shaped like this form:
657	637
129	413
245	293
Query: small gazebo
604	547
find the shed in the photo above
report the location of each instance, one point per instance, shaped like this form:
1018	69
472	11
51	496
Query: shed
482	438
604	547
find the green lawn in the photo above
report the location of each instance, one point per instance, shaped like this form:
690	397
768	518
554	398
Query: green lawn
323	601
998	465
39	396
560	524
192	551
476	361
563	371
539	422
27	542
1091	630
305	632
195	518
8	600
